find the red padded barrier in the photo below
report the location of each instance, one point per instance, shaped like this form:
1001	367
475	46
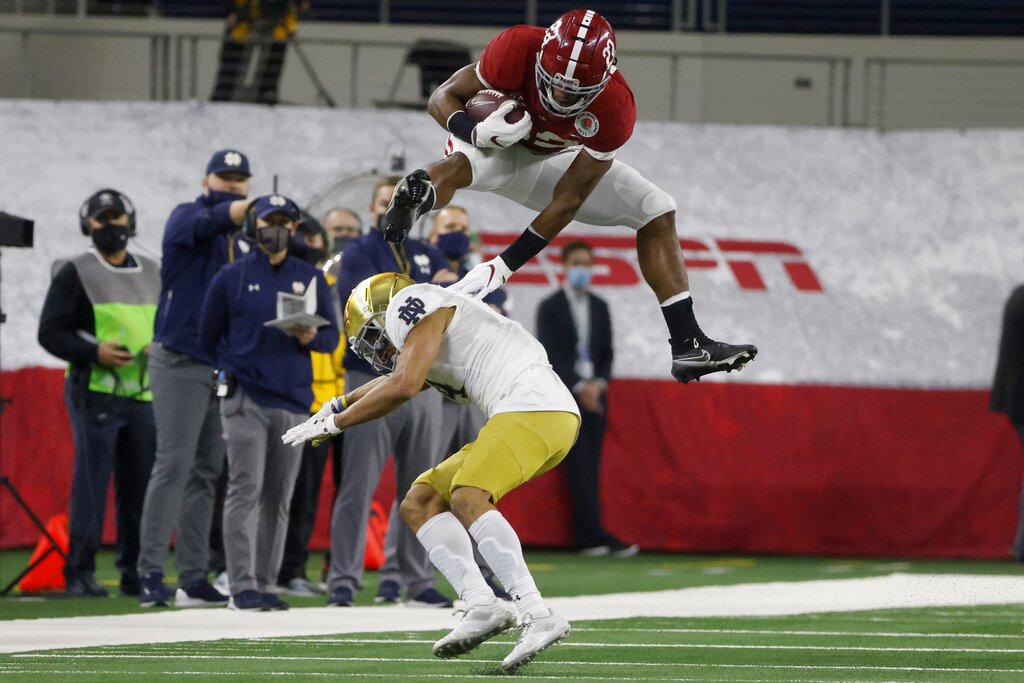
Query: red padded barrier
706	467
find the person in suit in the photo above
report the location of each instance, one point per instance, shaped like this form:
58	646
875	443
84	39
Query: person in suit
574	325
1008	386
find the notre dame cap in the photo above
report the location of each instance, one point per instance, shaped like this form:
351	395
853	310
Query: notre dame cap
226	160
274	203
107	200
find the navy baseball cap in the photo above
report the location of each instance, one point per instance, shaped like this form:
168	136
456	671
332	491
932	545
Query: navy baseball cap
274	203
226	160
106	200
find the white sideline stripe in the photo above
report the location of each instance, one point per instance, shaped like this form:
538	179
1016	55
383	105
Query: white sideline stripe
691	646
752	599
688	665
771	632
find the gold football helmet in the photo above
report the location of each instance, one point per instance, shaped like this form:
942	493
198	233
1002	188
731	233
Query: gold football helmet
364	318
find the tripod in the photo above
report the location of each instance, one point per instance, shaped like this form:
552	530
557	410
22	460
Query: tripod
18	232
6	482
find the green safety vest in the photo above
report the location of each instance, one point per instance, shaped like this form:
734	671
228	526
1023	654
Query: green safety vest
124	304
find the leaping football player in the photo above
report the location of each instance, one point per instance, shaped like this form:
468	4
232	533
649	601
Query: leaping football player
421	335
559	159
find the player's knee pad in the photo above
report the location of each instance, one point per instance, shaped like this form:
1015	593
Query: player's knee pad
654	202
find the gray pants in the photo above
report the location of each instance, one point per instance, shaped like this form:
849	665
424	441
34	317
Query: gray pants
413	434
460	424
261	477
189	458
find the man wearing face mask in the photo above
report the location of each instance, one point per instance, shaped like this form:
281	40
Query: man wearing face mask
268	379
190	447
574	325
98	316
412	433
342	225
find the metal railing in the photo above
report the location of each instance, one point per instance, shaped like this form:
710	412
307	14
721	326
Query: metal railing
864	17
887	92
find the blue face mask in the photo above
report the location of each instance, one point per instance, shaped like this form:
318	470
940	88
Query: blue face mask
455	245
578	277
213	197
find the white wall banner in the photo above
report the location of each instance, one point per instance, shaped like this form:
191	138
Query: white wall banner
848	257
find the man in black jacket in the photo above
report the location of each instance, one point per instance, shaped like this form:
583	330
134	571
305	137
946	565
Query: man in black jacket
575	328
98	316
1008	385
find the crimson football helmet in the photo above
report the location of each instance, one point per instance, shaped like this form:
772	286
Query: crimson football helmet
575	62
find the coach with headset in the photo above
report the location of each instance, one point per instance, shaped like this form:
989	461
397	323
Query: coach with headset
265	388
98	316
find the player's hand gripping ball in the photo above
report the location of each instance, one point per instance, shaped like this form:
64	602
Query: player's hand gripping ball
500	120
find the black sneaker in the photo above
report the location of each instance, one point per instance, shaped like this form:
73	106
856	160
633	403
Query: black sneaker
411	192
83	585
430	597
249	600
340	597
199	593
710	356
389	593
272	603
152	591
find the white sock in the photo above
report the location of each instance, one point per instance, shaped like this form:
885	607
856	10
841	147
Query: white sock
451	551
500	546
681	296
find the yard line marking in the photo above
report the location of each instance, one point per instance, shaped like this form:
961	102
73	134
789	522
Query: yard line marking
326	674
878	634
693	646
694	665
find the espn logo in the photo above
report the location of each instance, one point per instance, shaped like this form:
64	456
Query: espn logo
615	261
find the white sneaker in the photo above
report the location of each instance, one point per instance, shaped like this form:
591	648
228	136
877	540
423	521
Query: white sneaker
302	588
538	635
221	584
478	623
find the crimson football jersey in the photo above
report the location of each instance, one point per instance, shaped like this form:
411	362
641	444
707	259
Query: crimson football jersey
508	63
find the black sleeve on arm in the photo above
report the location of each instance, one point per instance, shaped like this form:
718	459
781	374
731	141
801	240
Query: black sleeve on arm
526	246
461	125
66	310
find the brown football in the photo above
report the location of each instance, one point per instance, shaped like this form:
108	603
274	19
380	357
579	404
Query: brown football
483	104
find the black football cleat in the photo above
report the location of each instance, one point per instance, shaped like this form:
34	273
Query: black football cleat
412	194
710	356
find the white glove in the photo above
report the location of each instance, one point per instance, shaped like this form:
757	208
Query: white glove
483	279
496	132
315	429
330	407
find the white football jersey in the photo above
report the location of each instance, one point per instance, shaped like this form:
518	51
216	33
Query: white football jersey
484	358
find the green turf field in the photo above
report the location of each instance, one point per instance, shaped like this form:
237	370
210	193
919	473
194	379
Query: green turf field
978	644
983	643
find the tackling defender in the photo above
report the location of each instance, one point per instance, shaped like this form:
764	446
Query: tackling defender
559	160
422	335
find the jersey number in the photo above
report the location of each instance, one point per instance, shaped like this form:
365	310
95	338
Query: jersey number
549	140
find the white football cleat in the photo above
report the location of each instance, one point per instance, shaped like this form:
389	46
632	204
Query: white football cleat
538	635
478	623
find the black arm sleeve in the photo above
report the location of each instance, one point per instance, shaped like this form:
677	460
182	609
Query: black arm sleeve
461	125
526	246
66	310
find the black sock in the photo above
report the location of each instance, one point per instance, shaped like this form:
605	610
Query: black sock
682	325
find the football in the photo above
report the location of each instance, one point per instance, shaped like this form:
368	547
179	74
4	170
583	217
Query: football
483	104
